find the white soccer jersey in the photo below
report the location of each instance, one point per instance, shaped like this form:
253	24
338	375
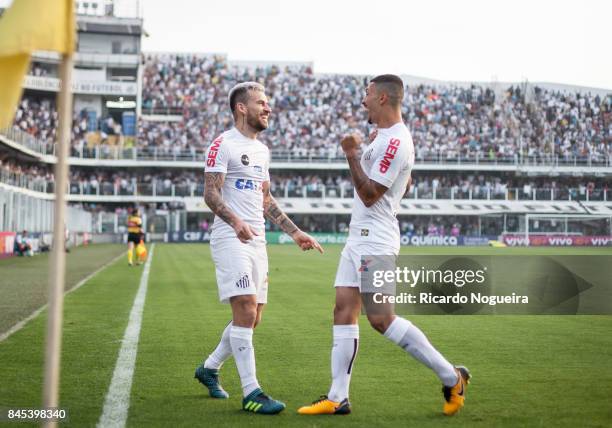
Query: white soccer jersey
245	163
388	160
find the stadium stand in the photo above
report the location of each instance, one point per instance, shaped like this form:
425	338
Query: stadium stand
312	112
139	133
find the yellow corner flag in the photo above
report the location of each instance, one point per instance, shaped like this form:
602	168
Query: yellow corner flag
25	27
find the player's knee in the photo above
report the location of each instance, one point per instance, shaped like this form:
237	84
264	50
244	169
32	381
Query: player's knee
249	312
245	318
344	314
380	322
339	310
245	312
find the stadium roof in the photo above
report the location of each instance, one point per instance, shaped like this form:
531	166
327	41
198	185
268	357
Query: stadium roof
109	25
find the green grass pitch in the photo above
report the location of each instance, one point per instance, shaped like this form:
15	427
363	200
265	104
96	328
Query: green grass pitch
527	370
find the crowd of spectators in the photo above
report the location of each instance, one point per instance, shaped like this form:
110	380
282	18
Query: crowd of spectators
113	181
38	117
311	112
426	185
438	225
31	176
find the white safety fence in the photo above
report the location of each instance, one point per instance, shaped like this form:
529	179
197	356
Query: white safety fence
22	209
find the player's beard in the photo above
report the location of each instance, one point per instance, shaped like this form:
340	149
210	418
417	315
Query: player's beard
256	123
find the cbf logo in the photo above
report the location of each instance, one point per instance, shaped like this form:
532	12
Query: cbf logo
243	282
364	265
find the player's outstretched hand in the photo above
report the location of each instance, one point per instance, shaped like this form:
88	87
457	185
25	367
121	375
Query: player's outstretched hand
306	242
351	143
244	231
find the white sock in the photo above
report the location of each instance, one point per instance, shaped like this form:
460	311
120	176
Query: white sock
222	352
344	351
241	340
403	333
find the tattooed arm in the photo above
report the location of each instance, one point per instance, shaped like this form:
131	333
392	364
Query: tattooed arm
213	181
369	191
273	212
276	215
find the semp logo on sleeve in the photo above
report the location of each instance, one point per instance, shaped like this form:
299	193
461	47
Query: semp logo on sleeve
390	152
213	151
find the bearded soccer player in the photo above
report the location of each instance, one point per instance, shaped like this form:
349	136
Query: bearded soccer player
381	177
237	190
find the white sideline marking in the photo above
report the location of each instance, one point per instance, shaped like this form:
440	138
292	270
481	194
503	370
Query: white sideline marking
117	399
22	323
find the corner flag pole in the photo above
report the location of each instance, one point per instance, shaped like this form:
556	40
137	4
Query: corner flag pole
57	267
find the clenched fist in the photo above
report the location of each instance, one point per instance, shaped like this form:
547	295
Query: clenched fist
351	144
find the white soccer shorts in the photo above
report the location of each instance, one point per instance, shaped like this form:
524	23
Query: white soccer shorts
241	269
351	263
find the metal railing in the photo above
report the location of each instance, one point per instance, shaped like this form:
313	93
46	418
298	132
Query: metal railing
136	153
154	153
164	111
28	141
471	159
197	155
25	181
103	189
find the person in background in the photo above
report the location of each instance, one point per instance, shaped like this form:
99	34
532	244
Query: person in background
22	246
134	224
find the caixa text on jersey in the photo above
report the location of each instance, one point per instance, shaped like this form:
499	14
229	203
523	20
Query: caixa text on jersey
246	184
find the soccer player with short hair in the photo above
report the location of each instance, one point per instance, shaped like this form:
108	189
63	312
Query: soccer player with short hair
237	190
381	177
